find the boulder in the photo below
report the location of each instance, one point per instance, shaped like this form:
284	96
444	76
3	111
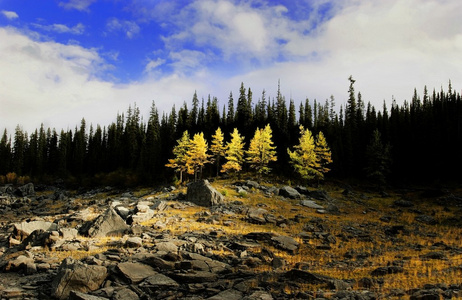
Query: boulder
285	243
24	229
26	190
289	192
107	224
159	281
125	294
230	294
311	204
319	195
202	193
82	296
76	276
135	272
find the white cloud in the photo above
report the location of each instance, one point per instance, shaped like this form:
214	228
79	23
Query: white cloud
130	28
81	5
55	84
389	47
153	64
61	28
11	15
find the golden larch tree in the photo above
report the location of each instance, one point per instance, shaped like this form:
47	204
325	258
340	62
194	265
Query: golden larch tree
180	151
323	155
234	154
261	150
218	147
303	158
197	155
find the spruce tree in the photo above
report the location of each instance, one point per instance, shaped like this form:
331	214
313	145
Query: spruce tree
378	159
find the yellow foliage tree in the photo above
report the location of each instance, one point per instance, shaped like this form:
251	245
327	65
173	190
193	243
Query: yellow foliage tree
234	153
323	155
218	147
196	156
304	158
179	163
261	150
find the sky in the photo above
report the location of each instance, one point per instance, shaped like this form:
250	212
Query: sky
64	60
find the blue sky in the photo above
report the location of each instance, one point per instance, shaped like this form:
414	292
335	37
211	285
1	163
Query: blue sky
61	60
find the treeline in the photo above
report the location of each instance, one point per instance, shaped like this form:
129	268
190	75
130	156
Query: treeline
423	137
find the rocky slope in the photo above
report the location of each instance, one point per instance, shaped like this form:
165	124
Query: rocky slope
256	242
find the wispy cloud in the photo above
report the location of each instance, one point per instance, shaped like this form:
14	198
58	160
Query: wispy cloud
129	28
61	28
81	5
11	15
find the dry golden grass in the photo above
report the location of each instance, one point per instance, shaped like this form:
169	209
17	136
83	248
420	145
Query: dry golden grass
357	211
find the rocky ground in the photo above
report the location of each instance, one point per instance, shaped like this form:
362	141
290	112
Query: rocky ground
239	240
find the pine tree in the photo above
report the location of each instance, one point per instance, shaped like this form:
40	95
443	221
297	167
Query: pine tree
323	155
218	148
5	154
234	153
196	156
303	158
261	151
19	148
378	159
179	163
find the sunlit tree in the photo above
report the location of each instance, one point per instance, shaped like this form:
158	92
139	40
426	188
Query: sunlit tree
234	153
261	150
303	158
323	155
218	147
179	163
196	156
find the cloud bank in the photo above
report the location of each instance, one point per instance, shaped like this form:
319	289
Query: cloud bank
211	46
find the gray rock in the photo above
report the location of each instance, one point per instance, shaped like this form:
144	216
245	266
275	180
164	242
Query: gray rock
285	243
319	195
403	203
134	242
381	271
230	294
257	216
311	204
252	184
167	247
68	233
76	276
82	296
429	220
125	294
107	224
195	277
19	263
202	193
135	272
159	281
289	192
158	262
23	229
26	190
259	295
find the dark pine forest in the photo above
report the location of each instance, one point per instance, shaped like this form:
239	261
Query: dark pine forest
423	138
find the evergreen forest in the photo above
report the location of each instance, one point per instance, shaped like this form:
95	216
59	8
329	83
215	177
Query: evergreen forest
419	141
